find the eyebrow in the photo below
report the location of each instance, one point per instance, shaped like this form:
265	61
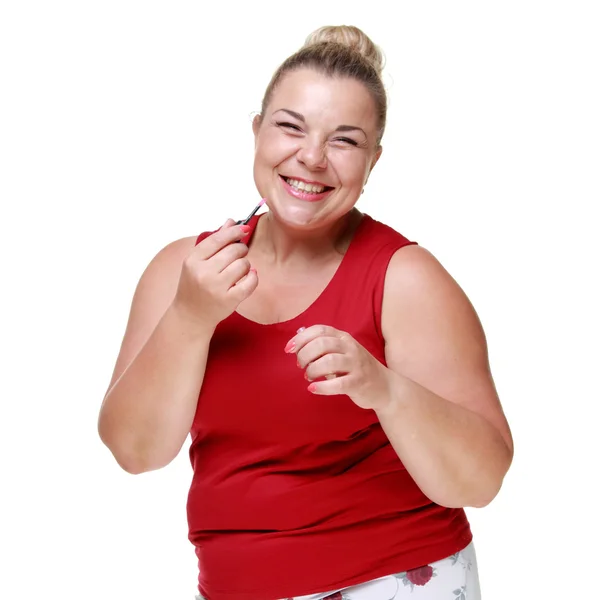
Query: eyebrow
300	117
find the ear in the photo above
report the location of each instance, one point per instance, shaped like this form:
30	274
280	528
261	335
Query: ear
256	124
376	158
374	162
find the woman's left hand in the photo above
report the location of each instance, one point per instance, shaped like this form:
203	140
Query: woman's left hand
348	368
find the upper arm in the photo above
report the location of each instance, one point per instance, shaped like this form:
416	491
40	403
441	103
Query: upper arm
434	337
153	295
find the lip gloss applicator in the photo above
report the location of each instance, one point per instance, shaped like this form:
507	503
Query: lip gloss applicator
247	219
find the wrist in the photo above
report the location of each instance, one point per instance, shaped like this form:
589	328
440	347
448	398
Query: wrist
387	402
188	323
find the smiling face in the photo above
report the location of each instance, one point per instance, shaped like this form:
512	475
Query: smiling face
315	147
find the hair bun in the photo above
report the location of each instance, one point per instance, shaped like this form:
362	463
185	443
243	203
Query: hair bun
353	37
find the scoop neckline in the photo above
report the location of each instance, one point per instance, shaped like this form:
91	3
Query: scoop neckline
327	289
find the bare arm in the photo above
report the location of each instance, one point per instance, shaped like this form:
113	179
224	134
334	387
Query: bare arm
151	400
443	417
150	404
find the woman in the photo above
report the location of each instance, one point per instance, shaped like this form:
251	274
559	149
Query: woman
333	376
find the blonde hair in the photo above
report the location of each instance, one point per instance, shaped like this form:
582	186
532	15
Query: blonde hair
339	51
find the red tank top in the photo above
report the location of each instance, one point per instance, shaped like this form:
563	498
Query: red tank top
292	493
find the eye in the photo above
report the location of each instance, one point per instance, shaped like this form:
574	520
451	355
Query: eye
346	140
287	125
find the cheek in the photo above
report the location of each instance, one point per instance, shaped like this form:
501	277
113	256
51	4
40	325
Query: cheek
273	148
351	168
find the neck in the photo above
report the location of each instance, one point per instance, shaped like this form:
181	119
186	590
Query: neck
287	247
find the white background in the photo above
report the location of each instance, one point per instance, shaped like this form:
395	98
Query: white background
125	125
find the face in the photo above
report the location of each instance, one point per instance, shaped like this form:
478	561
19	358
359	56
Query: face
315	147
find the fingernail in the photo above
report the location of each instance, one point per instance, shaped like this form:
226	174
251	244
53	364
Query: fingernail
245	228
253	271
306	376
289	347
301	330
312	388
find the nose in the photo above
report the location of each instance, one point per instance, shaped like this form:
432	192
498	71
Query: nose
312	154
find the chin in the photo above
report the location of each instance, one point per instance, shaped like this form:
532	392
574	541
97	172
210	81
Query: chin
295	215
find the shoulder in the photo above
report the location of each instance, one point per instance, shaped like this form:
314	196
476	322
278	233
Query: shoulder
174	252
429	325
167	262
168	259
423	304
414	269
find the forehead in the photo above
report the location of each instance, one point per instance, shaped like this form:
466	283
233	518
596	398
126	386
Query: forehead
318	97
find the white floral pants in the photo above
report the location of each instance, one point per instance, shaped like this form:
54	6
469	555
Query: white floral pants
452	578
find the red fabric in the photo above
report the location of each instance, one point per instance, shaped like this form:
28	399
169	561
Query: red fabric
293	493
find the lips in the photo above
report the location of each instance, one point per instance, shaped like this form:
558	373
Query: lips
315	187
304	190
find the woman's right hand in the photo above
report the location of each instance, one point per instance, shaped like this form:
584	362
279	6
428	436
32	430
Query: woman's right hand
216	277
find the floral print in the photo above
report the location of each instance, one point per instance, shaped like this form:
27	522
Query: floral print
421	575
459	594
452	578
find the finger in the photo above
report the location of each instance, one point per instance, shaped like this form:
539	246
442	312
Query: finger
306	335
227	256
331	387
244	287
326	366
209	246
317	348
232	274
228	223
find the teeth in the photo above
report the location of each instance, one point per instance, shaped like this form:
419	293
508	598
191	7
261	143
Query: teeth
306	187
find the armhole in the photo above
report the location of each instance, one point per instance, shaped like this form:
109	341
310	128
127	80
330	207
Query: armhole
387	253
